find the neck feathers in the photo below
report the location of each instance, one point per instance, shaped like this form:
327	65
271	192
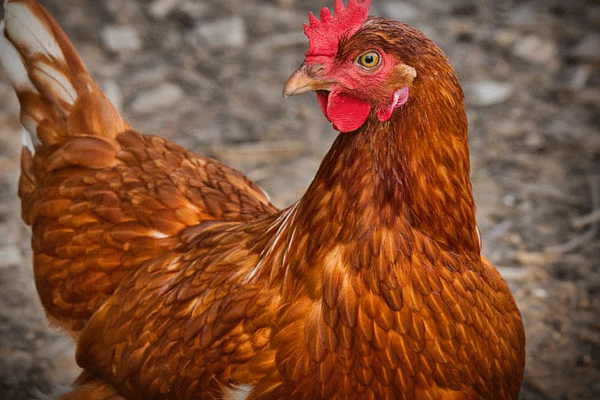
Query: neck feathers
411	172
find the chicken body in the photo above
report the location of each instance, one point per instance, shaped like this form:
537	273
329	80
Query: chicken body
181	281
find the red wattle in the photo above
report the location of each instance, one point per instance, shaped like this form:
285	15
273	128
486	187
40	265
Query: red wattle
345	112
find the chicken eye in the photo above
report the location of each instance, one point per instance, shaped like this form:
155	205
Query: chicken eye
369	59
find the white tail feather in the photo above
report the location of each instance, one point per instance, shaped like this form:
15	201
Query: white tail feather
58	96
13	64
17	74
28	31
58	82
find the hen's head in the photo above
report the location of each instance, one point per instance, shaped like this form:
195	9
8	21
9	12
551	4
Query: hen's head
357	65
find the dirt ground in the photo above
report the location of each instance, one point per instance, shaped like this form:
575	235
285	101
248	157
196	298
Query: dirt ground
208	74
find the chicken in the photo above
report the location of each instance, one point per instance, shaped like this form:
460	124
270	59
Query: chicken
179	280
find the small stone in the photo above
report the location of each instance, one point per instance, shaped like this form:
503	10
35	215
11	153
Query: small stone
465	9
573	78
510	128
121	39
161	97
487	93
124	12
537	51
400	11
523	16
509	200
581	77
505	38
223	33
534	140
462	29
194	10
593	15
589	48
534	258
10	256
159	9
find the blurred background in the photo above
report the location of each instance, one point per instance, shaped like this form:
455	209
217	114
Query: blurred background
208	75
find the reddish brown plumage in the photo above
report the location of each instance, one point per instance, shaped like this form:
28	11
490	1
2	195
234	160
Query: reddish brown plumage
182	281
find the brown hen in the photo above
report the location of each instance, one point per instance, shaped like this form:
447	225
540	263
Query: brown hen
181	281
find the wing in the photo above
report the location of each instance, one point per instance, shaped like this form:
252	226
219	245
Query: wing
101	198
92	226
187	325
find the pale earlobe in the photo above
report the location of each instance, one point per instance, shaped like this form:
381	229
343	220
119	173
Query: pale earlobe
400	98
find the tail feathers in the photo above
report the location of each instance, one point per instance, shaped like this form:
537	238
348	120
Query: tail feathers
58	96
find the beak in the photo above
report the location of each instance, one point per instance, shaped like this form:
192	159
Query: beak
303	81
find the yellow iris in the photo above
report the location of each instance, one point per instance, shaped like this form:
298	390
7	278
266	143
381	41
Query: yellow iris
369	59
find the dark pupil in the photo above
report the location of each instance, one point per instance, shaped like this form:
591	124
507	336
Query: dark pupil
369	59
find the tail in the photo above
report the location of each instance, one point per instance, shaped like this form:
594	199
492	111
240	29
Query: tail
58	97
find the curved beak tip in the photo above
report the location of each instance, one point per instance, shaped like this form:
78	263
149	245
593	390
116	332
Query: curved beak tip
301	82
297	83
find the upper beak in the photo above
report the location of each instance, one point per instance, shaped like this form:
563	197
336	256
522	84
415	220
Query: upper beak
303	81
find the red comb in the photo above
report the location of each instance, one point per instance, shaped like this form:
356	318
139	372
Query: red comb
324	35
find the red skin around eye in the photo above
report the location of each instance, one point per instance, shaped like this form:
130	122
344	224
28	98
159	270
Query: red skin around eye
347	106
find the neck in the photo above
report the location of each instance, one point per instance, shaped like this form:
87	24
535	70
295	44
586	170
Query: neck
381	193
411	172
